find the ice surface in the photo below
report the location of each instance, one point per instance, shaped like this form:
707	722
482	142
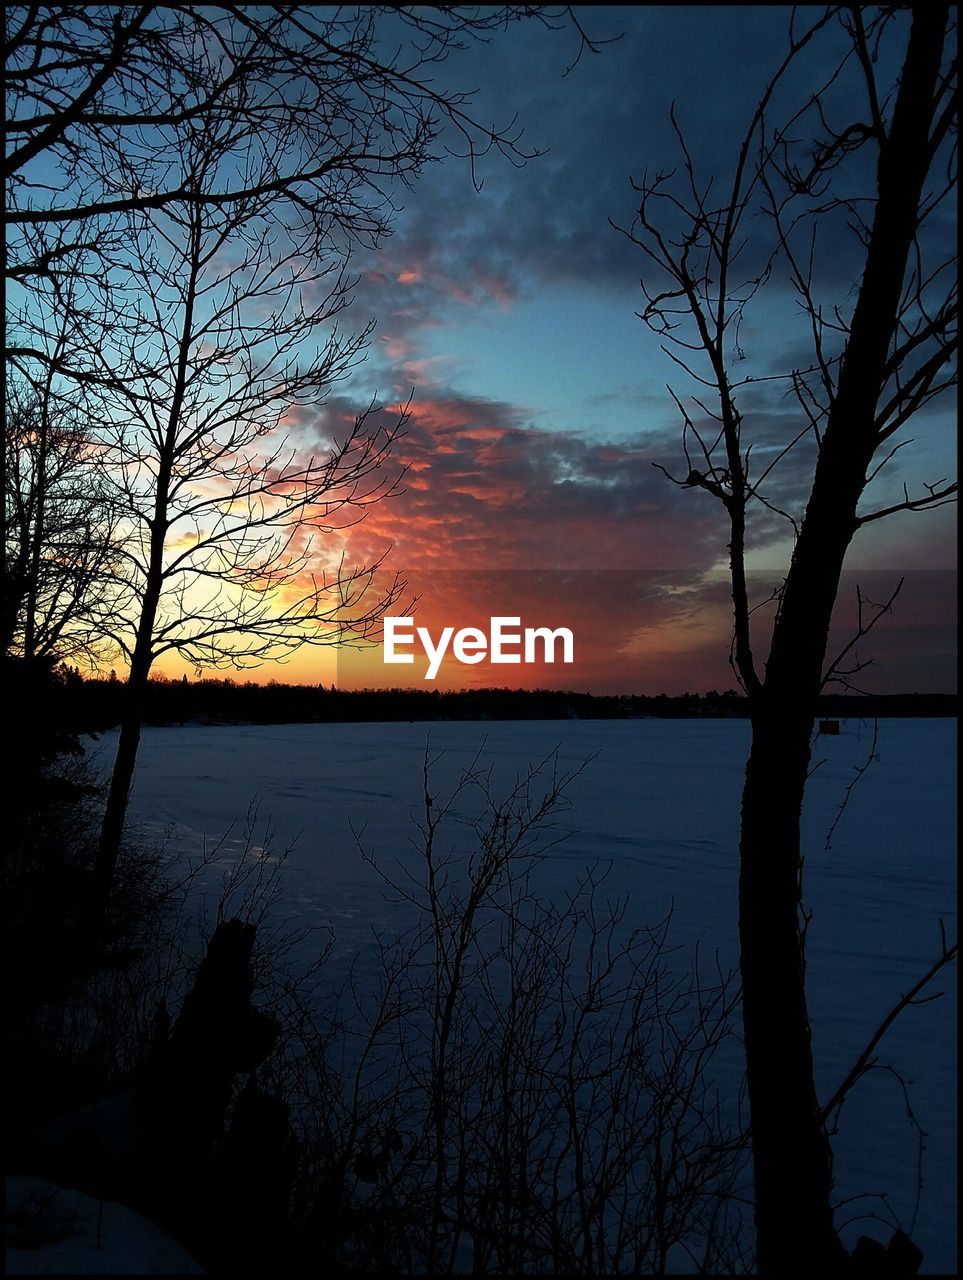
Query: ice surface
659	800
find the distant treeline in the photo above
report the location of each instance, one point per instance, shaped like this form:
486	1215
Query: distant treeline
92	704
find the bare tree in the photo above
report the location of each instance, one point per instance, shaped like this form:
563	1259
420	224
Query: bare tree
327	113
60	551
530	1090
863	167
224	516
327	105
146	145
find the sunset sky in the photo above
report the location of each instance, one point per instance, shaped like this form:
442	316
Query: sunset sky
538	399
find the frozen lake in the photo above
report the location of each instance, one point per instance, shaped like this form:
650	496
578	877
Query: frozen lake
659	801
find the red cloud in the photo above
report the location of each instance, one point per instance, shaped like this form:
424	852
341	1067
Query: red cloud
496	517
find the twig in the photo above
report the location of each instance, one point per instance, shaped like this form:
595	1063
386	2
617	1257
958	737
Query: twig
873	755
865	1061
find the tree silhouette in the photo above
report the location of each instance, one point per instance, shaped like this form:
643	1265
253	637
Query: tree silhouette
60	548
226	515
860	170
325	107
186	187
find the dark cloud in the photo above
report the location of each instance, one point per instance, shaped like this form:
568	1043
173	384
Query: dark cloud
632	630
483	489
496	517
548	222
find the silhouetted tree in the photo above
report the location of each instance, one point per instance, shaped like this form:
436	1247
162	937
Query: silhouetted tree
861	171
224	515
59	550
199	177
324	106
530	1092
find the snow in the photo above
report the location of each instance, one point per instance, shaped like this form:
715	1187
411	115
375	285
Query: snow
64	1232
659	800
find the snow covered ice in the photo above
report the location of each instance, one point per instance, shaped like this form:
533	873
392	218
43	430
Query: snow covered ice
659	802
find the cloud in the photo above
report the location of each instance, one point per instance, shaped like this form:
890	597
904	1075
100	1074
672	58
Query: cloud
496	517
630	629
484	490
487	492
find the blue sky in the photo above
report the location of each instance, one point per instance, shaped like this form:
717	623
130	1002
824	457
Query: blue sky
523	293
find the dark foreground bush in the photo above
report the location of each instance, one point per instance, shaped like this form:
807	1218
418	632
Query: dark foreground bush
528	1090
62	935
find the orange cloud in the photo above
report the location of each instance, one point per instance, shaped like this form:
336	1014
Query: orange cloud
496	518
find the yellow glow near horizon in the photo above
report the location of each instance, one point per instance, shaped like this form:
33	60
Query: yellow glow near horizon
310	665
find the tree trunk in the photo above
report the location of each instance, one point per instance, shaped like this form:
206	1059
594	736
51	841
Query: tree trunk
791	1152
112	829
122	774
38	534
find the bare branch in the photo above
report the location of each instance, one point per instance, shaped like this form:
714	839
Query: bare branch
864	625
936	496
865	1062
